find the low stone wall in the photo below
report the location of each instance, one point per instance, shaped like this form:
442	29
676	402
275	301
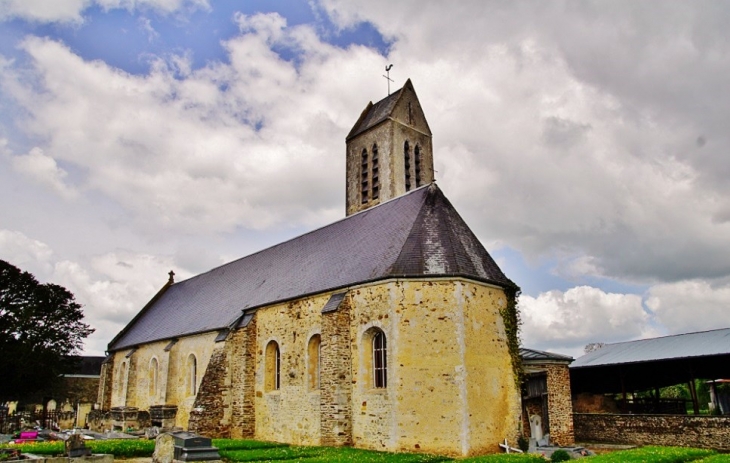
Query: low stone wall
679	430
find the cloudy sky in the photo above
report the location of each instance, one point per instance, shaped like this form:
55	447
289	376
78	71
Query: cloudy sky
586	143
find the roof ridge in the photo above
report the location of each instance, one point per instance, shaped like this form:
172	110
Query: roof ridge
662	337
314	230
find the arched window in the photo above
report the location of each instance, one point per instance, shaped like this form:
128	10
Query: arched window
272	363
364	186
380	360
154	368
192	375
313	361
417	161
407	156
376	181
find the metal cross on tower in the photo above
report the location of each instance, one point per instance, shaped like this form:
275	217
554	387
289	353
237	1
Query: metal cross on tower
387	70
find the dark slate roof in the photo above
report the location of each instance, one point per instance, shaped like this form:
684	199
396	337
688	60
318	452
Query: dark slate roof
86	366
374	114
415	235
540	355
700	344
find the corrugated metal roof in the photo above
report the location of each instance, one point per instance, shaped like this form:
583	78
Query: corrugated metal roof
417	234
534	354
704	343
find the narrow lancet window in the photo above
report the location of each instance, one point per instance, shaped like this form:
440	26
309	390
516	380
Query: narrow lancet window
272	364
417	162
380	365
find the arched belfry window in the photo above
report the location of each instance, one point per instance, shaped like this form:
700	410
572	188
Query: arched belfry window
417	162
192	375
380	360
272	363
365	187
376	181
407	156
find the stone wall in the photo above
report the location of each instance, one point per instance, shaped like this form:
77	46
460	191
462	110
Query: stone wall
80	389
104	397
680	430
336	377
290	413
451	388
560	406
586	402
242	346
208	414
133	382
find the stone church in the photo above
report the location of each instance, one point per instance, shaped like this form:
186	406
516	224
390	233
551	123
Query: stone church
390	329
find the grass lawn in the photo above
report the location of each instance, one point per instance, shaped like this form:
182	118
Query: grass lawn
239	450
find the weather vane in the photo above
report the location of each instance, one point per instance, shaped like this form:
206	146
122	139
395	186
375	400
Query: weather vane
387	70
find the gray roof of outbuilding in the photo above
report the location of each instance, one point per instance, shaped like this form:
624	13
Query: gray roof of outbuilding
419	234
538	355
700	344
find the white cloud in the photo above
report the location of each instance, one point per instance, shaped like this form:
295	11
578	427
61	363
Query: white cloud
693	305
565	322
146	25
147	141
43	169
25	253
111	287
43	10
576	125
71	11
161	6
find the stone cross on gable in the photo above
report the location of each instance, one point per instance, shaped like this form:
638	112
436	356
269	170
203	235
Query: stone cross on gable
172	277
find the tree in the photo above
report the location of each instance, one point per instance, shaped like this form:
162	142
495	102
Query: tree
41	328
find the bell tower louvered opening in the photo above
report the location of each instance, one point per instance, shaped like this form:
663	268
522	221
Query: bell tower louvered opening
389	151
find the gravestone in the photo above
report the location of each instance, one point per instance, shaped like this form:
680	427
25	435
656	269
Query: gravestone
164	449
76	447
193	447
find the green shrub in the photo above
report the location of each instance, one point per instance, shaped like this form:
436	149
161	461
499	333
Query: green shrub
523	443
560	455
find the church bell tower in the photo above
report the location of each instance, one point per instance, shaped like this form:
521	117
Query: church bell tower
389	151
